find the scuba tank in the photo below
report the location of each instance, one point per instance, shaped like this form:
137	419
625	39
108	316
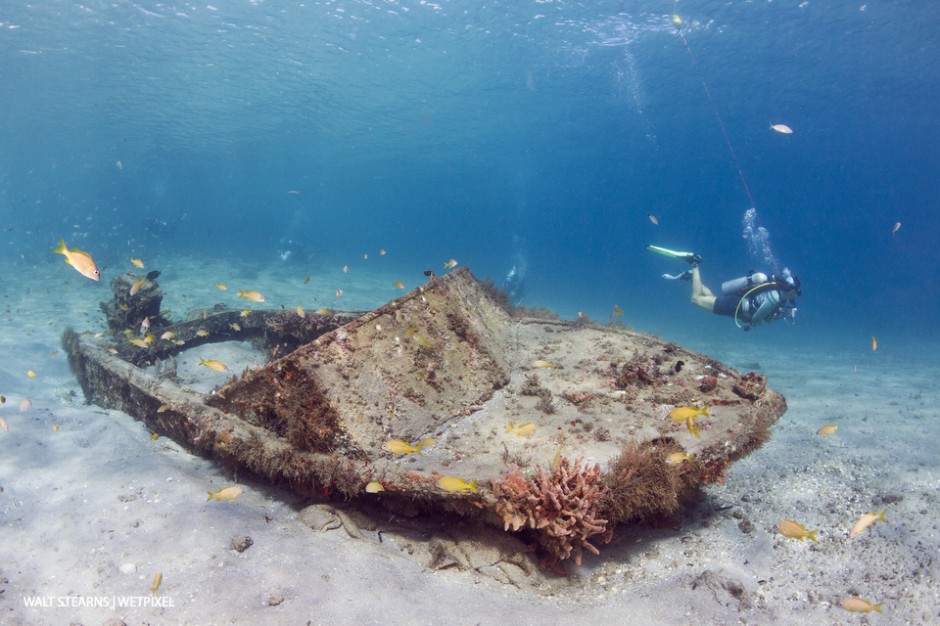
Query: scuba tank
740	285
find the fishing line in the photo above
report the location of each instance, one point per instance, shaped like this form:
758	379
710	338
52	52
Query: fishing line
677	22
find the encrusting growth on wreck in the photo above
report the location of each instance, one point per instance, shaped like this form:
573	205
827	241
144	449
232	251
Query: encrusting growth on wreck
640	484
562	507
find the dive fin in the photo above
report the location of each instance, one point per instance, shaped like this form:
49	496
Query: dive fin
671	253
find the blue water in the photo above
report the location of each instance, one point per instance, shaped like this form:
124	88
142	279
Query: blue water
493	132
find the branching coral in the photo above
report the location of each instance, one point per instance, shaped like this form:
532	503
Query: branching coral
560	506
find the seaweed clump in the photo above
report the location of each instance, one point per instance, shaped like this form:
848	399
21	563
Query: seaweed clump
561	506
641	485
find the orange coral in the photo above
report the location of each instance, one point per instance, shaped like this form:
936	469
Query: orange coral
561	507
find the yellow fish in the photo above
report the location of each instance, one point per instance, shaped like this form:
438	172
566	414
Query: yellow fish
677	458
782	129
148	339
300	310
858	605
827	429
3	425
690	424
137	285
450	264
251	296
543	364
202	332
400	446
156	582
163	408
676	20
55	428
154	436
324	311
212	364
865	521
307	280
225	493
399	284
374	487
874	343
140	343
234	326
81	261
525	430
453	484
682	413
31	374
617	310
794	530
168	335
221	287
137	263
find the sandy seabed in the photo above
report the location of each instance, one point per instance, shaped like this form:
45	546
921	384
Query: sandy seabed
92	507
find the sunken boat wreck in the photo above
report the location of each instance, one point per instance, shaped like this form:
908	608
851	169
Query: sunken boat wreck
441	401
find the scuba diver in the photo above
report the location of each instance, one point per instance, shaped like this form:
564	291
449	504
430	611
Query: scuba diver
751	300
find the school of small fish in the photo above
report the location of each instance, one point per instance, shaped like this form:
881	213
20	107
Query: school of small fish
85	265
794	530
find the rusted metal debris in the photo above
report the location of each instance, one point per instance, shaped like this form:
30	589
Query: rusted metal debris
447	362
